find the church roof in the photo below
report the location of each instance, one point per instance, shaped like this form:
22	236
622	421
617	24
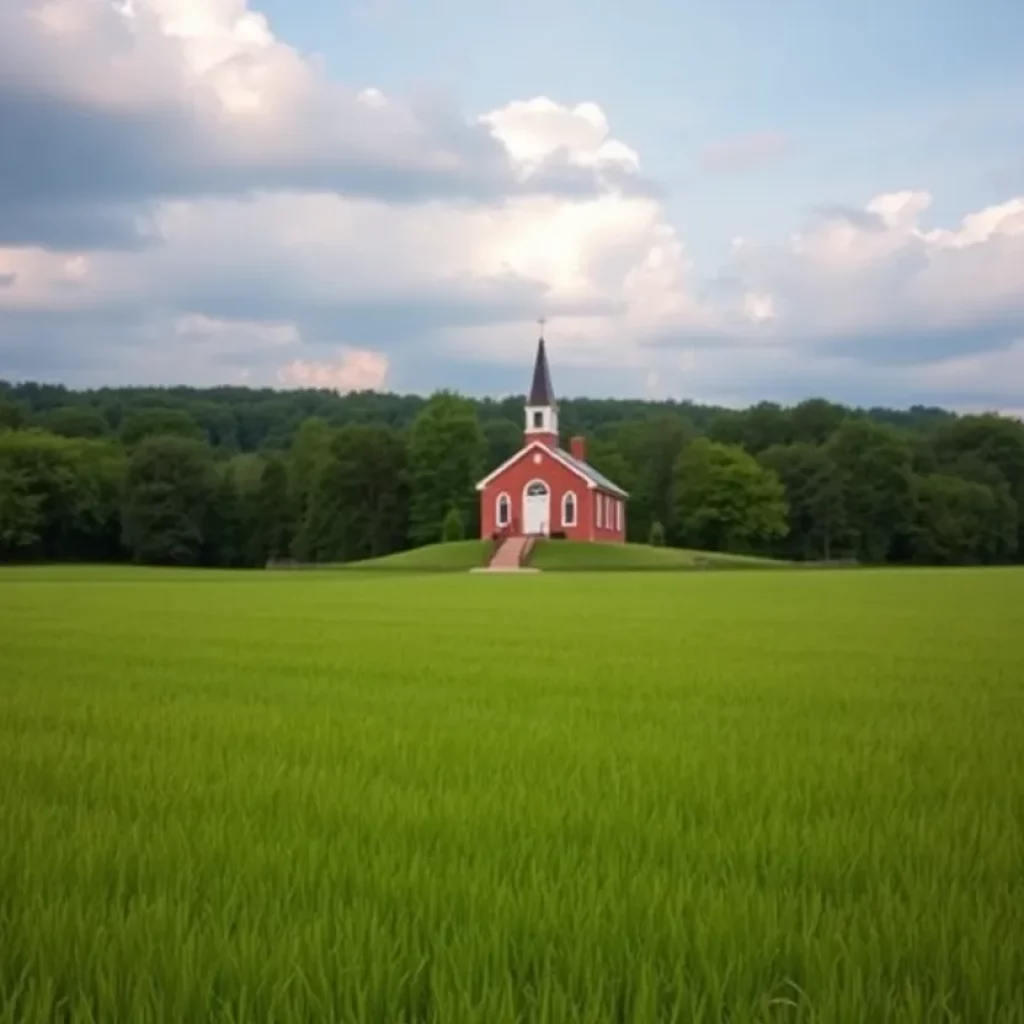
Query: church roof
541	391
590	473
581	469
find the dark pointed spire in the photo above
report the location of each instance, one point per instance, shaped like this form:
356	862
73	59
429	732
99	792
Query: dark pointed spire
541	391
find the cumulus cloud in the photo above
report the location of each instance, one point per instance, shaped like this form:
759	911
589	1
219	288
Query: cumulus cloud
878	283
150	99
356	370
185	198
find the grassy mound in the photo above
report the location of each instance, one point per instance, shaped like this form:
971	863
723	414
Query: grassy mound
567	556
455	556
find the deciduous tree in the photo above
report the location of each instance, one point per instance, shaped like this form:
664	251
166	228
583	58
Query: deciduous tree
814	495
359	505
446	458
726	500
875	464
170	493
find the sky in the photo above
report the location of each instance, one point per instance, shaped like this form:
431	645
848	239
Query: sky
729	202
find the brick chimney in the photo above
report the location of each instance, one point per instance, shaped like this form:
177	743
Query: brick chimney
578	448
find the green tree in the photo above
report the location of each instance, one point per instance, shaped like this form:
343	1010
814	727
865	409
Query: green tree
452	528
225	538
13	415
726	500
272	527
170	494
446	458
140	424
814	495
875	463
754	429
958	522
814	421
503	438
75	421
360	503
651	448
309	452
985	449
91	517
21	516
58	497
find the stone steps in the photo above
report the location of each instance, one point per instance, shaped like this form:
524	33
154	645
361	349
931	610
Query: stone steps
510	556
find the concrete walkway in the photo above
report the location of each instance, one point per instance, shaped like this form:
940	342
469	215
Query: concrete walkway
509	556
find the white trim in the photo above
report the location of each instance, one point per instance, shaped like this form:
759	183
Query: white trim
534	446
548	419
599	510
540	446
575	508
618	516
503	496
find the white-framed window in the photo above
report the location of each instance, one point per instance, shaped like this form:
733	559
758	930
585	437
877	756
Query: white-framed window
503	510
599	509
618	514
569	508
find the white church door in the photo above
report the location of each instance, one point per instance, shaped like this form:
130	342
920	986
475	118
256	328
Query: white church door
537	509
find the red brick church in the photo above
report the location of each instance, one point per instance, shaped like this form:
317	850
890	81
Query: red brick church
544	489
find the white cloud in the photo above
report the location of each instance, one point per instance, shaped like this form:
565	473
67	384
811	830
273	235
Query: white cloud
535	130
164	98
285	215
878	270
356	370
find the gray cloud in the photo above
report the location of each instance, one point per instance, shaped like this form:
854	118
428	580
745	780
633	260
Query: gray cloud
914	345
87	164
69	145
133	341
57	149
72	227
67	345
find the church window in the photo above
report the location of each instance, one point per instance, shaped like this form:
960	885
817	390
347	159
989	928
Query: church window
538	420
569	509
504	510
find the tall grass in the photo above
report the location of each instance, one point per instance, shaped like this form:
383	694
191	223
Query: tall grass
323	797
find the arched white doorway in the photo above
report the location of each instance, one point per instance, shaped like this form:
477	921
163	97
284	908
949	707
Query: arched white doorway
536	508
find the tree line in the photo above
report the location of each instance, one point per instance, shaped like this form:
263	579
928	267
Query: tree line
240	476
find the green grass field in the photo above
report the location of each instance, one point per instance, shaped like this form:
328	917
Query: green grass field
561	556
568	556
555	798
455	556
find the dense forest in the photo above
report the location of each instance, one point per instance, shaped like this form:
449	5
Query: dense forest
240	476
